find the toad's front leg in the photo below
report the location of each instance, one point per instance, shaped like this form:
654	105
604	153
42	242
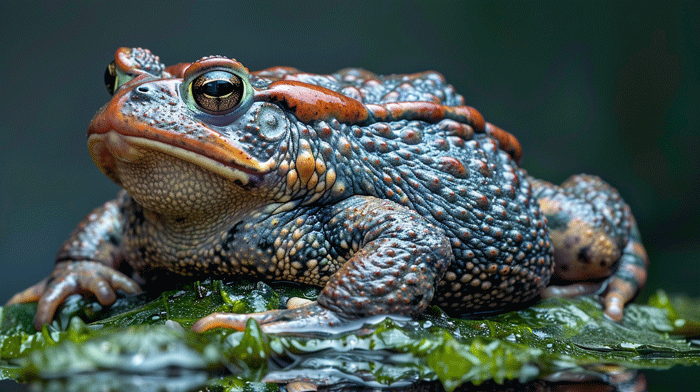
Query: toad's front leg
386	258
87	264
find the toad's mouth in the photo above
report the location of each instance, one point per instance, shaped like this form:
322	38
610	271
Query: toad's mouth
128	130
109	147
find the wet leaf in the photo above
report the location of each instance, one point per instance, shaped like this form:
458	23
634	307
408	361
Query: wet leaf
150	335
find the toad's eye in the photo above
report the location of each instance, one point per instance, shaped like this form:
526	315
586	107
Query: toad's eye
111	77
115	78
217	92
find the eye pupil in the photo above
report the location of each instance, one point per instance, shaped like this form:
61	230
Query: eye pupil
217	92
217	88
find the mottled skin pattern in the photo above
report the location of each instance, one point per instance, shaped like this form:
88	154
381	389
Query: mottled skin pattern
386	191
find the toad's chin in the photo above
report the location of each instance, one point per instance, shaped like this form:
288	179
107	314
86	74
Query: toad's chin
170	181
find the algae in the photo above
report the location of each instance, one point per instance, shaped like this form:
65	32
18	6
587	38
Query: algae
148	335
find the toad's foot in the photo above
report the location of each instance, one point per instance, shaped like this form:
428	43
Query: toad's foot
75	277
304	319
572	290
615	293
301	386
625	284
618	290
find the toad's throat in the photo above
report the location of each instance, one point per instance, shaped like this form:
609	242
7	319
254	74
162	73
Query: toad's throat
106	148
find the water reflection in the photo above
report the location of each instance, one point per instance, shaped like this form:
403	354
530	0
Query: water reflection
408	356
616	380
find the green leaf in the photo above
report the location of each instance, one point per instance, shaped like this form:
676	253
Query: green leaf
150	335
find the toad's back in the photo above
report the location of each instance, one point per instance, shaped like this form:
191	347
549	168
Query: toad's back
458	179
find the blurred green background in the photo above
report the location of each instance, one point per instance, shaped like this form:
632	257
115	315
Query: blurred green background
609	88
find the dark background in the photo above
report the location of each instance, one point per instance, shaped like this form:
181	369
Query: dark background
609	88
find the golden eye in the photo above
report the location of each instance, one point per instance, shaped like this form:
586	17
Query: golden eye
217	92
111	77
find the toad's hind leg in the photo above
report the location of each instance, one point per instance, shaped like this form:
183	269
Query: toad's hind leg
629	278
394	261
595	239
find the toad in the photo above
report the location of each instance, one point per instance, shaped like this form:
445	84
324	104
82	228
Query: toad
386	191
